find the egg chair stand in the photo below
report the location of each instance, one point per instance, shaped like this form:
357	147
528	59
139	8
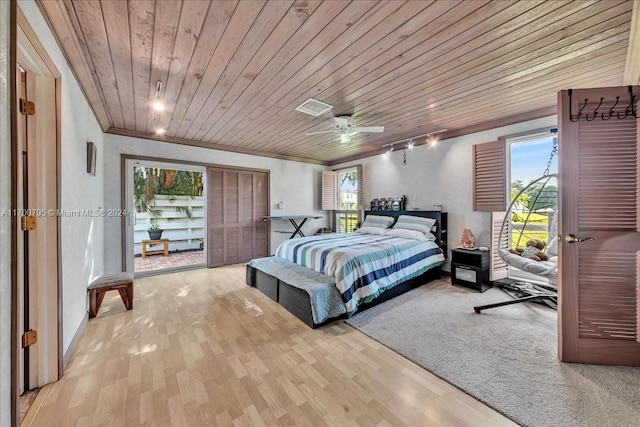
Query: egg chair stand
525	291
528	292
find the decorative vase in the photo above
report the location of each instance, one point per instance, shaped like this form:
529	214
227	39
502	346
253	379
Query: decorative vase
155	234
468	240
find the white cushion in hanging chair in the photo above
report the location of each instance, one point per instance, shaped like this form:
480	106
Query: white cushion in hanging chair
541	268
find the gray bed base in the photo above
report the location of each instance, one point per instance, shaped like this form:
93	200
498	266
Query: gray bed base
297	301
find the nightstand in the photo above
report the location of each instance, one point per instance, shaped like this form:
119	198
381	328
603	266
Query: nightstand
470	268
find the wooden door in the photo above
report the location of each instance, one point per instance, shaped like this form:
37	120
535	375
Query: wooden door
599	294
237	201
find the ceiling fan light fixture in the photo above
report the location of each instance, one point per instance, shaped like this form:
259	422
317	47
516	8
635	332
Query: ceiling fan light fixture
345	138
160	131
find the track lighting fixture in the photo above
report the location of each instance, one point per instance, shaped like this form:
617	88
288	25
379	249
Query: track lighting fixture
158	107
410	141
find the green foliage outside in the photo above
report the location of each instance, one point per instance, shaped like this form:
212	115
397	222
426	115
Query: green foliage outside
538	202
150	182
538	225
347	223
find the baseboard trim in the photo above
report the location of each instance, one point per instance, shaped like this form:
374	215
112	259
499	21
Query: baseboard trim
67	354
33	411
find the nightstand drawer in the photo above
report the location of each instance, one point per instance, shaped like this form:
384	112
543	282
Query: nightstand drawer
470	276
464	273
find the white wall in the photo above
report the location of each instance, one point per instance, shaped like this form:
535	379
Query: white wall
5	221
82	237
295	184
440	174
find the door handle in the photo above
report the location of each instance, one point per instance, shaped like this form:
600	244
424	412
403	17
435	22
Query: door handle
573	239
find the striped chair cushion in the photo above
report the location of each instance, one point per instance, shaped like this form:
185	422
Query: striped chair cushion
111	280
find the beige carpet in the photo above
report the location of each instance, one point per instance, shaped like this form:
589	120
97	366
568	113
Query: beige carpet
505	357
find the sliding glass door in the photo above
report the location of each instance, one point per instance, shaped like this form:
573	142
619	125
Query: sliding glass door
166	230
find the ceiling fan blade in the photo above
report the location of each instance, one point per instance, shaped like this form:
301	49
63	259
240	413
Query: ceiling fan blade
317	133
369	129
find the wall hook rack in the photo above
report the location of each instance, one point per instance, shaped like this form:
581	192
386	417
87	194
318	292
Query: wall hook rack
630	109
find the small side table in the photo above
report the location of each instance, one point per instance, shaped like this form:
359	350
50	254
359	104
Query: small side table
470	268
164	242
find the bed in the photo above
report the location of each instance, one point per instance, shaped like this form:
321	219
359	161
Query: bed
326	277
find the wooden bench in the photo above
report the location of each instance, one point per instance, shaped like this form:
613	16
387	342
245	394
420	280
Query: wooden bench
121	282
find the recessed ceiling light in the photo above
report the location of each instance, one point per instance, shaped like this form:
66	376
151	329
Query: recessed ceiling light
158	106
160	131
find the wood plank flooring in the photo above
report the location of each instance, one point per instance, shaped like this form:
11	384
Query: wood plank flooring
202	348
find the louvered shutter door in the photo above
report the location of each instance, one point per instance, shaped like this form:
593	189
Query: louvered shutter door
598	312
237	200
261	194
489	177
215	217
499	269
329	191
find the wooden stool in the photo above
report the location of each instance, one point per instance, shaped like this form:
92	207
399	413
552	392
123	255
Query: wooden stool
164	242
121	282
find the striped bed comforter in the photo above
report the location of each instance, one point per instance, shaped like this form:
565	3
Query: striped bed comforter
364	265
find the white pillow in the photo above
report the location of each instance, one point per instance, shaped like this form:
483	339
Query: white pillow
552	249
415	223
525	264
410	234
372	230
378	221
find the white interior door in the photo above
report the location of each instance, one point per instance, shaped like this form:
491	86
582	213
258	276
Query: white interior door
37	163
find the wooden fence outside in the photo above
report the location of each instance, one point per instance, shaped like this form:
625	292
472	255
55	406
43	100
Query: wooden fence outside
184	233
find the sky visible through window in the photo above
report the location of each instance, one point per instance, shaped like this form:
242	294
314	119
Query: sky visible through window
529	159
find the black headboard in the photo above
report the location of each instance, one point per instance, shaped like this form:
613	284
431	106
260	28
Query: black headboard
439	216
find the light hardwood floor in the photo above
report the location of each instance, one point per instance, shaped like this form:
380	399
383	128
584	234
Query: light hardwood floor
202	348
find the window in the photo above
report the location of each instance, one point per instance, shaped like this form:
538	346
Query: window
342	193
529	160
533	216
500	170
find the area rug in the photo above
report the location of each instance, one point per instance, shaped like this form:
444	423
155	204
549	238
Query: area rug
505	357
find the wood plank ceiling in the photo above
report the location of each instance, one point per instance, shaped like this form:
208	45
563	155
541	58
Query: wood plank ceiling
232	72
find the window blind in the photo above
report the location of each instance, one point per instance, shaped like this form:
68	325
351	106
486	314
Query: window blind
360	195
490	177
329	191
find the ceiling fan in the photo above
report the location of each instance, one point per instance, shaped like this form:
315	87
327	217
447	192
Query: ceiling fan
344	126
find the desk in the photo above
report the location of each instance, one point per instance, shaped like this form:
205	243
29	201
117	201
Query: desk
164	242
296	220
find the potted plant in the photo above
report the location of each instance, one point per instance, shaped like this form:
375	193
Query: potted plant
154	230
